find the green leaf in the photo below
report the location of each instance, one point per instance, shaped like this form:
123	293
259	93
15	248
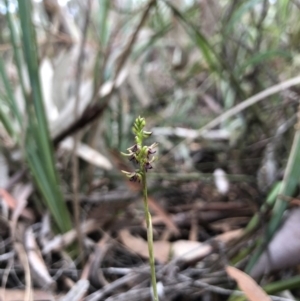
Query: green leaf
38	146
289	186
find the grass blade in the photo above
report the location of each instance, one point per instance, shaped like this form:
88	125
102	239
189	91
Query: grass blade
288	188
39	149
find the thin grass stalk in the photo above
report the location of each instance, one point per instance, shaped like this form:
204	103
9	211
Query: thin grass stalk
99	68
103	16
214	60
75	168
132	39
11	101
6	121
99	71
16	49
269	203
11	104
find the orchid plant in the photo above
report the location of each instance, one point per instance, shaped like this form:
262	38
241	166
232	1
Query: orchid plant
143	156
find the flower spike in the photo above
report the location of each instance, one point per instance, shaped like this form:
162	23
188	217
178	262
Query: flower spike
142	155
139	153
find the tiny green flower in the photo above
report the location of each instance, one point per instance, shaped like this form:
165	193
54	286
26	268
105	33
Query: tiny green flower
139	153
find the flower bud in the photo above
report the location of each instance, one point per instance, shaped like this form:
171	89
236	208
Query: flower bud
146	134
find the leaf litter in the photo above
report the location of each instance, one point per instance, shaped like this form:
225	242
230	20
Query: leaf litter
205	190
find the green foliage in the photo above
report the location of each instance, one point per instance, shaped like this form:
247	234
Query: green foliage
38	146
288	188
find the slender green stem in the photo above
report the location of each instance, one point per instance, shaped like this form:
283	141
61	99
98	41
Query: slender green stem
149	234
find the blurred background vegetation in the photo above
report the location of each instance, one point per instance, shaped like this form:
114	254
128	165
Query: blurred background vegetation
215	80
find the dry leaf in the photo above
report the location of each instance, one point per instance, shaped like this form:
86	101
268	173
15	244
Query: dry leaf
61	241
14	294
19	248
87	153
12	203
140	246
21	193
38	267
251	289
226	237
77	292
189	251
